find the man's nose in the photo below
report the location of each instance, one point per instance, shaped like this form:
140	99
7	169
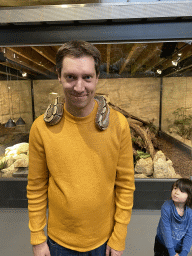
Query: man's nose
79	85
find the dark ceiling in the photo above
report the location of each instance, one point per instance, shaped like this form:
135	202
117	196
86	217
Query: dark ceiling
118	60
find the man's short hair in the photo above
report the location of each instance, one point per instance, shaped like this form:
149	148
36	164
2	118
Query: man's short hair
77	49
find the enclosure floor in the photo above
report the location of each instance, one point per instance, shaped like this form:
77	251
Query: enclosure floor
15	236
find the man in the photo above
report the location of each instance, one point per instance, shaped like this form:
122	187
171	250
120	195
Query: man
84	173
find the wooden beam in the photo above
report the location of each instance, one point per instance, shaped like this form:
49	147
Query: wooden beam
47	52
108	57
25	62
129	56
31	55
183	65
18	68
150	51
186	51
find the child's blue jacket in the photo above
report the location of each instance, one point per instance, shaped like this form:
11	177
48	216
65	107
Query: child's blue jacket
174	231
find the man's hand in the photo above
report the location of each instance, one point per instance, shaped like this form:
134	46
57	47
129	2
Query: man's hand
41	249
113	252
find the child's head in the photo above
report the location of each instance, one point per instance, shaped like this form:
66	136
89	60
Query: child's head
185	185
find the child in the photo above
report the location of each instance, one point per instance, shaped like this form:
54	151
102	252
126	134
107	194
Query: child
174	231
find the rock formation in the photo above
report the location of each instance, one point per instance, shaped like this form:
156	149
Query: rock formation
159	167
16	159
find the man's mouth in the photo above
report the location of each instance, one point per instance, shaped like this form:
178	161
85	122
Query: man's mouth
79	95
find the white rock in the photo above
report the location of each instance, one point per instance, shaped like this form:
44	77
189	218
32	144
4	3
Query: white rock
7	172
141	176
17	152
160	169
177	176
2	163
9	160
22	161
163	169
17	149
144	166
171	170
158	155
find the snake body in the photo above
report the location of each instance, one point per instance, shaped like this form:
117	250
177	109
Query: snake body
54	112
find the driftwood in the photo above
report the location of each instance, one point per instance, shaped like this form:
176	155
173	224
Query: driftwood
148	145
139	131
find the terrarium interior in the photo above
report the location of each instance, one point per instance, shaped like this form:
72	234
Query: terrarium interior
150	83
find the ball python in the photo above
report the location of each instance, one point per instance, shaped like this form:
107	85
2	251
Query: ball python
54	112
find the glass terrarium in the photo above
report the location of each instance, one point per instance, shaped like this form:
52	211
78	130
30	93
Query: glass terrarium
149	83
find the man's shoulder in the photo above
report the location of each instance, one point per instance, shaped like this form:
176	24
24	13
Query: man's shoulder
116	114
38	122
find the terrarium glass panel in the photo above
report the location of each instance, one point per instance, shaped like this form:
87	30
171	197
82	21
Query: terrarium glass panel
148	82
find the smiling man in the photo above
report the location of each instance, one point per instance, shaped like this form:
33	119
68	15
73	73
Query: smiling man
85	173
78	78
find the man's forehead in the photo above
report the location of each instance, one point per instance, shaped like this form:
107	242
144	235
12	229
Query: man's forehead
84	64
81	58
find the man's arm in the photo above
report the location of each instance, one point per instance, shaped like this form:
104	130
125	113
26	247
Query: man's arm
37	187
124	189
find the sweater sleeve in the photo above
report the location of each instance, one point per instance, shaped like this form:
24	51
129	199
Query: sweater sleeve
124	188
37	186
166	229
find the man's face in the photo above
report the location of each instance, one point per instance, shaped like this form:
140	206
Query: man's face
78	78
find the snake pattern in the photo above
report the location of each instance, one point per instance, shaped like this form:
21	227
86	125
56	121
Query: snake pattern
54	112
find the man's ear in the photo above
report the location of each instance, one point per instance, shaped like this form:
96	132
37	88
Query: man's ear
97	77
59	77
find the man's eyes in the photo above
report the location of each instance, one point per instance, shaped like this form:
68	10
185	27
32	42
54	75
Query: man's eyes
87	77
70	77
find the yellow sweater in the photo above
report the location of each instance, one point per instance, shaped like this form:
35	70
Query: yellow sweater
87	177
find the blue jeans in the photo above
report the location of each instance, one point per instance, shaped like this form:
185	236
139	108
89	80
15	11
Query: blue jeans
58	250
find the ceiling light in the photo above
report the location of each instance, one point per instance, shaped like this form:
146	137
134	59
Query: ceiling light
24	74
53	93
159	71
174	62
179	54
20	121
10	123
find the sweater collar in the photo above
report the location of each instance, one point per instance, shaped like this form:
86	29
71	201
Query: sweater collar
80	120
175	213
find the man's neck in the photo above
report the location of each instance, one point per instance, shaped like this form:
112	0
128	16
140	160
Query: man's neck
80	112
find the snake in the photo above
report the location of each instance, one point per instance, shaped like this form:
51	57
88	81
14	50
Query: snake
54	112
